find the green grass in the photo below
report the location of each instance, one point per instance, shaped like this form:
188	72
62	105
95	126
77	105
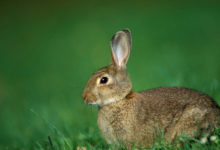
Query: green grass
48	50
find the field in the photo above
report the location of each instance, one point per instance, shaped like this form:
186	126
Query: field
48	51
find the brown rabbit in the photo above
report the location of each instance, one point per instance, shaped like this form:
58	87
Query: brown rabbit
131	117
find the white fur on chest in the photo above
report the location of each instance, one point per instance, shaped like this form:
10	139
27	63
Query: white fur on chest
105	102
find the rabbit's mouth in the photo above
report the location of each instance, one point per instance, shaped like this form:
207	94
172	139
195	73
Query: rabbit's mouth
91	99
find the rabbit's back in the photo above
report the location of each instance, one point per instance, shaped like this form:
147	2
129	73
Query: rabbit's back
176	98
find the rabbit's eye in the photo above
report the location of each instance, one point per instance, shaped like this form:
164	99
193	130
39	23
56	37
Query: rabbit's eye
103	80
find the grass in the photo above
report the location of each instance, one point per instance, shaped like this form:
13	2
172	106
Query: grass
48	50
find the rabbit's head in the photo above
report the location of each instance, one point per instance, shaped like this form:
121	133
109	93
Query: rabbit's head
111	83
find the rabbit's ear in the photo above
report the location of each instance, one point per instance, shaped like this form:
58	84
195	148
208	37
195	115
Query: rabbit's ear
121	47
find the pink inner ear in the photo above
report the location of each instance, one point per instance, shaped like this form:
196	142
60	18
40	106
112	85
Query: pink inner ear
120	48
119	54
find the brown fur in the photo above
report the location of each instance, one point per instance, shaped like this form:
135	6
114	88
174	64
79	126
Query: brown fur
136	117
174	110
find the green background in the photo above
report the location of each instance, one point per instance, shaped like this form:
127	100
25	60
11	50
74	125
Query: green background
48	51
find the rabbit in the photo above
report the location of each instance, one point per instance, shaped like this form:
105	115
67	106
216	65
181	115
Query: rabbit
135	117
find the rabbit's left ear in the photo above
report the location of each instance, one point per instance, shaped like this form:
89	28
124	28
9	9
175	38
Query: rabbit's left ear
121	47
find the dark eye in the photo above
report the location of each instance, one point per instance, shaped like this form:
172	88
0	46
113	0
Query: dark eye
103	80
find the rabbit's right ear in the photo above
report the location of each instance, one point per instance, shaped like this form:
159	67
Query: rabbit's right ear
121	47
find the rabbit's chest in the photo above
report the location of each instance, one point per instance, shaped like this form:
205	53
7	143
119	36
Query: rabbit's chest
113	126
107	129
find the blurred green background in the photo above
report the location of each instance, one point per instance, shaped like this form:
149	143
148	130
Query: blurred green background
48	50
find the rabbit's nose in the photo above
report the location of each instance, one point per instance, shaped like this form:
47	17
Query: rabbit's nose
89	97
84	96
